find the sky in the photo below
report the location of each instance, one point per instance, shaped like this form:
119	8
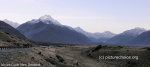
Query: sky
91	15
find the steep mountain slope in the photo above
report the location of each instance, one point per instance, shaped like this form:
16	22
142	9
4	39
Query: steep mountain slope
96	37
45	29
142	39
9	40
120	39
7	28
13	24
126	36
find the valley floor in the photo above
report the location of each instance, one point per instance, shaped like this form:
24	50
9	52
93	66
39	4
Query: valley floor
73	56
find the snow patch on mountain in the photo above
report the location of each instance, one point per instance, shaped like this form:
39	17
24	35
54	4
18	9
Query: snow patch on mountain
47	19
13	24
34	21
97	35
108	34
134	32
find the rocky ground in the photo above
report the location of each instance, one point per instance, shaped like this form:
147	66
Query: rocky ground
74	56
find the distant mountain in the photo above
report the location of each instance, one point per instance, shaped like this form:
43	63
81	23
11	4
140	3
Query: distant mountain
142	39
126	36
46	29
13	24
134	32
96	37
9	29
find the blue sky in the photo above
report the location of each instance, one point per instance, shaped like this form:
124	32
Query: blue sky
91	15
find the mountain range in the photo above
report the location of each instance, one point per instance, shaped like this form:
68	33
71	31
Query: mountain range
96	37
13	24
46	29
126	36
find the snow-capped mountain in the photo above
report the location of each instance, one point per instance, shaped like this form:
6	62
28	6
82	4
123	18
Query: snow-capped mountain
78	29
13	24
142	39
134	32
106	34
126	36
97	35
47	19
46	29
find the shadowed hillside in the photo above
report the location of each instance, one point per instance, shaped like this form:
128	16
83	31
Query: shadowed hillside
42	32
9	40
12	31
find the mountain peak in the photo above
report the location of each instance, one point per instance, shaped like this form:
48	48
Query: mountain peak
4	20
13	24
106	32
97	35
134	32
138	28
78	28
47	19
